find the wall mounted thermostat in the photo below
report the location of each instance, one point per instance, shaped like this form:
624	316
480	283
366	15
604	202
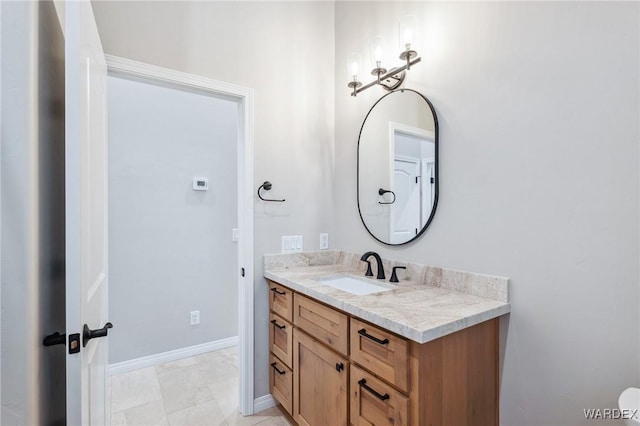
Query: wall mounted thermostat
200	184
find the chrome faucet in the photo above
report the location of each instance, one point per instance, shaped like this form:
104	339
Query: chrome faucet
365	258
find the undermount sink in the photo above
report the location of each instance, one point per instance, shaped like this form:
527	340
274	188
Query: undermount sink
357	286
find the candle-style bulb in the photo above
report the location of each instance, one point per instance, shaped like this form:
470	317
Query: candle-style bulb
407	37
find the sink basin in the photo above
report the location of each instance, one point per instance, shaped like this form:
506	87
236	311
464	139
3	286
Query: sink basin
352	285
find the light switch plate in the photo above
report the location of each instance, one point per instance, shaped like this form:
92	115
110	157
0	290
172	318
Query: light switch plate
292	243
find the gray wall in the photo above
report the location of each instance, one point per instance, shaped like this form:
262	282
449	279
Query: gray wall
538	107
284	51
170	247
32	167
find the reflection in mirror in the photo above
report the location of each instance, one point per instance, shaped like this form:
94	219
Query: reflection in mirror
398	167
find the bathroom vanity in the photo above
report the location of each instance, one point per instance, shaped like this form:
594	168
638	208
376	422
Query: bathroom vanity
421	352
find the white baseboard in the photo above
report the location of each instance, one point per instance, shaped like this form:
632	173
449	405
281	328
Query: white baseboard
151	360
262	403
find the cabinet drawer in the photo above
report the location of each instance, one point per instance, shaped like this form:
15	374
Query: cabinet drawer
373	402
281	338
322	322
281	383
281	300
384	354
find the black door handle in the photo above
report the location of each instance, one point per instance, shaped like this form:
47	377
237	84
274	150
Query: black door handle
88	334
55	339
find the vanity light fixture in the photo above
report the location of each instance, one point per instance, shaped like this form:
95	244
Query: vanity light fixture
388	79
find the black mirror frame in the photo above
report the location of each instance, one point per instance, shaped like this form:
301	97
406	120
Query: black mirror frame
436	174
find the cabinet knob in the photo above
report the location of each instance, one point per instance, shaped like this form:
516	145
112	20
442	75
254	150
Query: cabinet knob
339	367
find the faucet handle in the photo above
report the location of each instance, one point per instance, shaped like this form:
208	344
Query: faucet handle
369	272
394	276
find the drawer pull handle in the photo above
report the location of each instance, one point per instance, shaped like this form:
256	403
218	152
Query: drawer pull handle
276	291
363	332
363	383
281	372
281	327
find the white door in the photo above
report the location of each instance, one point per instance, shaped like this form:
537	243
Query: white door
405	211
86	216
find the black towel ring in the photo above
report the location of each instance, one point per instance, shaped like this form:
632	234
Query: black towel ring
267	187
385	191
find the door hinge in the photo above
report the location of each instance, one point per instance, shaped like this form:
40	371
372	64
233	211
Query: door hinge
242	272
432	180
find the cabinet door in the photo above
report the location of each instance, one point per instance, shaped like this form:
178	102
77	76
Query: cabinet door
320	379
375	403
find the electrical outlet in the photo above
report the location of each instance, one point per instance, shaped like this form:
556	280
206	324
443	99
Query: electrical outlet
324	241
195	317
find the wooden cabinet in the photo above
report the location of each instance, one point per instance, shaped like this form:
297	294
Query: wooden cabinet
331	369
281	345
319	383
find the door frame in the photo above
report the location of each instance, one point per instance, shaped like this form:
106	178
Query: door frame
244	97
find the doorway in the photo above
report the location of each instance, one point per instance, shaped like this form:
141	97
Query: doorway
412	154
181	210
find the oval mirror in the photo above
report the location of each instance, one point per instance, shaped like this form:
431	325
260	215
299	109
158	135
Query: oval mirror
398	167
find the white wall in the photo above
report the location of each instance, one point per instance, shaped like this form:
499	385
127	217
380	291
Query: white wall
170	247
284	50
538	107
32	165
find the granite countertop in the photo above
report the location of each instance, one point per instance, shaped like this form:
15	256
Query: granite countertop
413	309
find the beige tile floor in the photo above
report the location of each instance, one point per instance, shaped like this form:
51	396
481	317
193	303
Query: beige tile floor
201	390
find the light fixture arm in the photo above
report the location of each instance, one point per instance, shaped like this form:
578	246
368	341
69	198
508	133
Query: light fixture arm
383	77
